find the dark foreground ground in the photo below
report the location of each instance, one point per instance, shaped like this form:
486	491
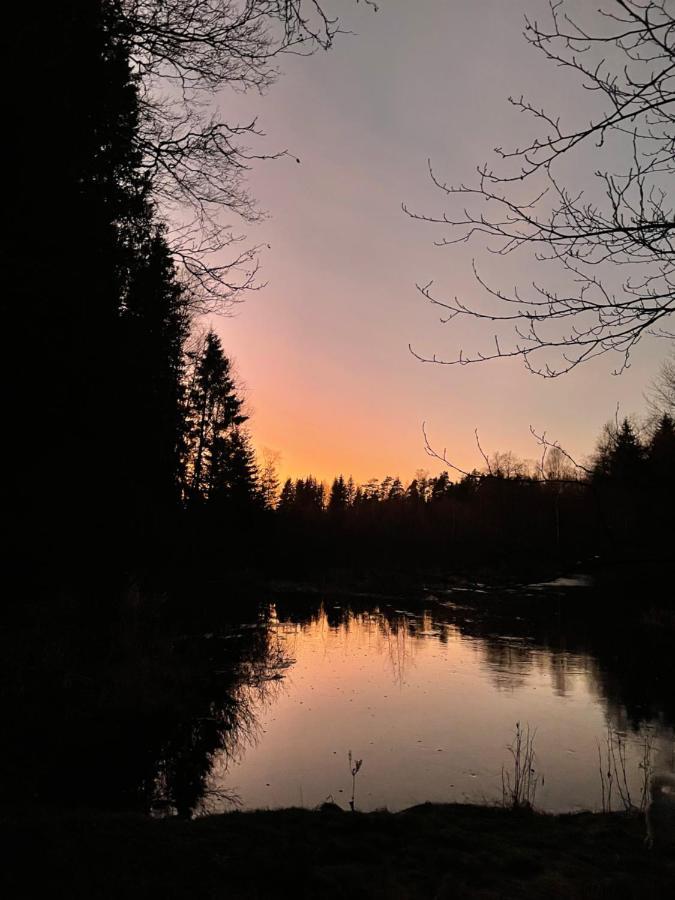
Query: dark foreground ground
431	851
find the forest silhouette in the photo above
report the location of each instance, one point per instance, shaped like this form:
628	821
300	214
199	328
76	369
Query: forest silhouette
143	529
137	449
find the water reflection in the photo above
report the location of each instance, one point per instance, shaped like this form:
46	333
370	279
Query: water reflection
264	712
429	699
138	722
241	678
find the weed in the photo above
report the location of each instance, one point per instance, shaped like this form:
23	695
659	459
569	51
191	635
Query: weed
354	768
519	787
613	768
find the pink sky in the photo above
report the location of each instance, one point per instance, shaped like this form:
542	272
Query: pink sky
323	349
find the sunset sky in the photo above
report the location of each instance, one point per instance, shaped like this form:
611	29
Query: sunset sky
322	350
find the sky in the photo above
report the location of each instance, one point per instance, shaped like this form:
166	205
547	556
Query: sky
323	349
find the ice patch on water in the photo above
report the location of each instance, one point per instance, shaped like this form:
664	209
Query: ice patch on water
565	582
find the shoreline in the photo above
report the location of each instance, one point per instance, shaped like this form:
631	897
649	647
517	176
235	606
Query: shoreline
431	850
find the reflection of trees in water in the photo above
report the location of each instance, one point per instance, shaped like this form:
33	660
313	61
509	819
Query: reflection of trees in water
622	663
627	662
140	719
393	633
509	663
226	726
563	666
400	644
130	714
635	679
257	690
392	637
512	660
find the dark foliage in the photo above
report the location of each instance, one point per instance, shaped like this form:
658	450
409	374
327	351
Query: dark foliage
506	515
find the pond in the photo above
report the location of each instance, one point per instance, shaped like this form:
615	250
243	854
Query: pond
257	699
428	698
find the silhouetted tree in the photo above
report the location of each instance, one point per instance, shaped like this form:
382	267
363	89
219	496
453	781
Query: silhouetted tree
440	486
233	473
97	290
338	499
106	290
396	491
661	455
620	455
214	412
309	495
269	479
153	325
413	493
287	497
372	491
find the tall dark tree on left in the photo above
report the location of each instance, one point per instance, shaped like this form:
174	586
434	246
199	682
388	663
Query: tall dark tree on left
96	316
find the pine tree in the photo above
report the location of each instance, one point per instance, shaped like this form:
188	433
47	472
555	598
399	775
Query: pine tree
214	412
622	457
661	453
153	325
338	499
309	495
233	473
287	497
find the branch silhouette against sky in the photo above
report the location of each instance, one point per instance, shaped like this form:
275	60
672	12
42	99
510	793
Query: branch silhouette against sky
610	230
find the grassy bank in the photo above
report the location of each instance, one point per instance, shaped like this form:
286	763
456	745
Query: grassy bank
428	851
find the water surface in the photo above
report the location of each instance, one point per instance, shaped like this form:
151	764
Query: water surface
429	698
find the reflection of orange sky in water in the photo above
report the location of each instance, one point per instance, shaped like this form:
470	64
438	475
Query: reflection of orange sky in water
430	712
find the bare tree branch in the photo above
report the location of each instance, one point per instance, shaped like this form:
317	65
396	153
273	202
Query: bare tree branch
495	468
183	53
630	63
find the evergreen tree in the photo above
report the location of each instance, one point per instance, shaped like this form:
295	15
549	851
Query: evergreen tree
309	495
338	499
287	497
113	321
214	413
661	454
620	455
153	325
73	280
233	473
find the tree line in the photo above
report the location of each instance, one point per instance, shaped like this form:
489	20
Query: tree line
510	511
123	171
127	430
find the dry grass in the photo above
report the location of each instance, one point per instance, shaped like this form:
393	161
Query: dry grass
519	785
